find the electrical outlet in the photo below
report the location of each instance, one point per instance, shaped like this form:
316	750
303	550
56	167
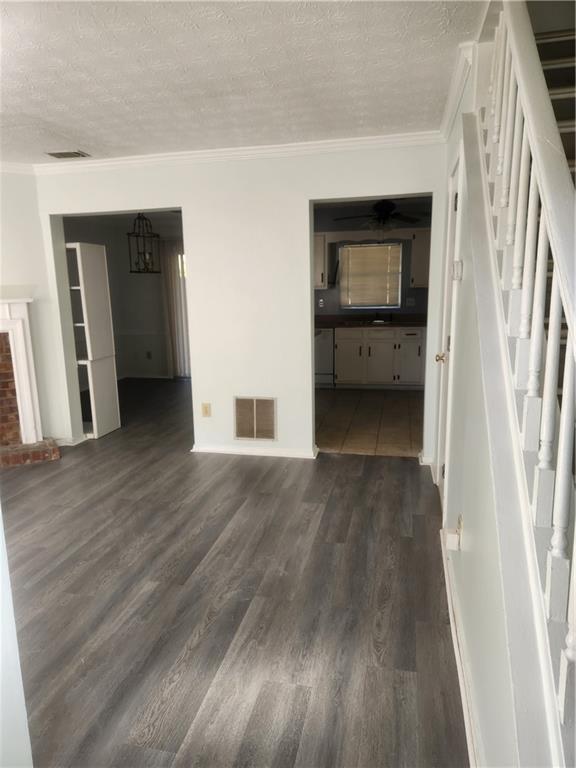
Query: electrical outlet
321	303
206	409
148	355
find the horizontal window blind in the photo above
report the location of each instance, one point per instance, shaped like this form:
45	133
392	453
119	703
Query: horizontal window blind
371	275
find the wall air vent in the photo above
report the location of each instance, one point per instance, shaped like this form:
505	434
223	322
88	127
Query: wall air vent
68	155
255	418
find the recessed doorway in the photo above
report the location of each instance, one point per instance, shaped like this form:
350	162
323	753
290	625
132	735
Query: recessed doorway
143	302
371	265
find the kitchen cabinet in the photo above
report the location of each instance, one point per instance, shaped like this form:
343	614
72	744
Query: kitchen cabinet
320	261
420	259
390	357
349	360
409	366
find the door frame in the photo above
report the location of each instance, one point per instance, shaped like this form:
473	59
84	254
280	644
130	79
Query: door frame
450	298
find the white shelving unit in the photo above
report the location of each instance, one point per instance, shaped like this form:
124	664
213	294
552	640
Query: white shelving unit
94	337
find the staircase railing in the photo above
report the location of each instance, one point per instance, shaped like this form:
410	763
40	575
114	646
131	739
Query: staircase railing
533	202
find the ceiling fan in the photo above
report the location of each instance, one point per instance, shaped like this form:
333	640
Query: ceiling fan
384	213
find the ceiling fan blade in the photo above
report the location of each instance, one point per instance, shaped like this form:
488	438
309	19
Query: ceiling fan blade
364	216
403	217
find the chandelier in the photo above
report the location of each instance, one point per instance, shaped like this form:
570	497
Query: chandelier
143	247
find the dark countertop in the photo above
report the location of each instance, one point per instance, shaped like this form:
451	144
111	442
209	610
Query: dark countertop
363	321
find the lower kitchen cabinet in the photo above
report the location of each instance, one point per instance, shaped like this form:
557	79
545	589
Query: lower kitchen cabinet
379	356
380	363
409	365
348	358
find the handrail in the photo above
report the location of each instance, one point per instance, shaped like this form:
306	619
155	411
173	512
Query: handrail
552	171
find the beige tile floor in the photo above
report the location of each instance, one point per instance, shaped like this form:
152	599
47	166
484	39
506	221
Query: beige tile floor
373	422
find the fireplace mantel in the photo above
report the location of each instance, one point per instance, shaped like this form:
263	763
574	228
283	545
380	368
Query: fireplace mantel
15	322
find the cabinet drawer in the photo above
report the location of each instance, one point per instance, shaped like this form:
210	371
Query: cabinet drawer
342	334
380	333
409	333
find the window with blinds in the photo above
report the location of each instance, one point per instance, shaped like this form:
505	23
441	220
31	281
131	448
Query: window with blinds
370	276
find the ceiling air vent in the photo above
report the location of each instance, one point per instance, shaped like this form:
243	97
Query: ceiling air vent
68	155
255	418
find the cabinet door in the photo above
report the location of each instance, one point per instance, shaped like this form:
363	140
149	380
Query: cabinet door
320	276
420	260
409	362
349	361
380	361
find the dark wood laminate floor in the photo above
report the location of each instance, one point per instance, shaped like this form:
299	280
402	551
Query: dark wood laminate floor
180	610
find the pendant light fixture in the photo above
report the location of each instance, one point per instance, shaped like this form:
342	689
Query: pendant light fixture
143	247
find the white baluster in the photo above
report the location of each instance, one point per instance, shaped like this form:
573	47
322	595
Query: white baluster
505	116
532	400
521	213
515	296
499	85
543	496
558	563
566	680
506	112
529	257
523	343
492	85
511	156
509	186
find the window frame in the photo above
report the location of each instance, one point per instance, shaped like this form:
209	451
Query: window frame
355	246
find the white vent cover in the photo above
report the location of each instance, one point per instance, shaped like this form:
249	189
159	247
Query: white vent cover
255	418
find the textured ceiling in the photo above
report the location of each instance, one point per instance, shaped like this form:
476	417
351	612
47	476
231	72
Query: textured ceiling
126	78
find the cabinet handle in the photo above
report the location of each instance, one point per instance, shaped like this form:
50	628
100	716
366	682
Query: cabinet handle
369	351
411	334
360	350
399	345
418	350
322	277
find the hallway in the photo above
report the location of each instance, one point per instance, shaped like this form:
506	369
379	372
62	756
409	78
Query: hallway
178	609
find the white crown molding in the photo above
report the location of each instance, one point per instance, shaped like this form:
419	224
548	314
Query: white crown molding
422	138
17	168
466	52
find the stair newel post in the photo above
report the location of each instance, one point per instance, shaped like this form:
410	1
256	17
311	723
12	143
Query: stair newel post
558	563
532	400
543	496
499	85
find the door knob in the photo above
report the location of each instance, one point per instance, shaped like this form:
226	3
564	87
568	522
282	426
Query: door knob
441	358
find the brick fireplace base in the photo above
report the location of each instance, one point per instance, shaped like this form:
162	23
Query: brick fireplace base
16	455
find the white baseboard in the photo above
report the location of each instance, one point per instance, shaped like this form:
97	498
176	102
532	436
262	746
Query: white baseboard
459	643
64	442
255	450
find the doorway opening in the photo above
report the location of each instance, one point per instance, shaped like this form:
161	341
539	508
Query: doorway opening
371	265
130	320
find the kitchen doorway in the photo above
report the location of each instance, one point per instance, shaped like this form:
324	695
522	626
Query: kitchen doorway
371	264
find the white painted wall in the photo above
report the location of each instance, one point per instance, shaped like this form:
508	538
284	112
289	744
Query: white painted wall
246	229
474	573
137	300
15	750
24	271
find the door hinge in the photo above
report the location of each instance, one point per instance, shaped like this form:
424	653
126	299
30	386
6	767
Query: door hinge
457	270
443	471
456	201
448	344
